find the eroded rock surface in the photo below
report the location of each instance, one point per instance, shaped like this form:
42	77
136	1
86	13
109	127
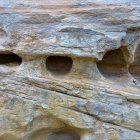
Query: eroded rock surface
69	70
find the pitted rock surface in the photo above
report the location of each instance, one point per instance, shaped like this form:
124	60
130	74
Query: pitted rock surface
69	70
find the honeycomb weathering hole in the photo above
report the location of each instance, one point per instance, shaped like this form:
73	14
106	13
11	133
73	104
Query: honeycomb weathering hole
64	135
113	64
135	66
10	59
59	65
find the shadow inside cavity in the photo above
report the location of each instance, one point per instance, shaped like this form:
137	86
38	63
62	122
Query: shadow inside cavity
10	59
113	65
59	65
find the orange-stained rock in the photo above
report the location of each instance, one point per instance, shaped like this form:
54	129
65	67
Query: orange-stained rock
69	70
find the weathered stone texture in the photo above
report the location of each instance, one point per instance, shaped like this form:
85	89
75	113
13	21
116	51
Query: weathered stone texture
69	70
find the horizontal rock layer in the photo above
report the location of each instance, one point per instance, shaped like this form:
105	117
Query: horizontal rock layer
70	70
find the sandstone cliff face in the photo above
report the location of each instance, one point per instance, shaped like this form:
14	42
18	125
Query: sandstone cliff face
69	70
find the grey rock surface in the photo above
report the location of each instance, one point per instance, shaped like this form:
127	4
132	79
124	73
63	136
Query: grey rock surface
70	70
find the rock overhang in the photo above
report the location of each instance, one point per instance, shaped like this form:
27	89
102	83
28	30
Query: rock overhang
53	32
92	103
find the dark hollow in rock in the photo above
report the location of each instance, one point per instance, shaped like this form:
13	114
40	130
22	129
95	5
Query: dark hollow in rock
135	66
64	135
113	64
10	59
59	65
